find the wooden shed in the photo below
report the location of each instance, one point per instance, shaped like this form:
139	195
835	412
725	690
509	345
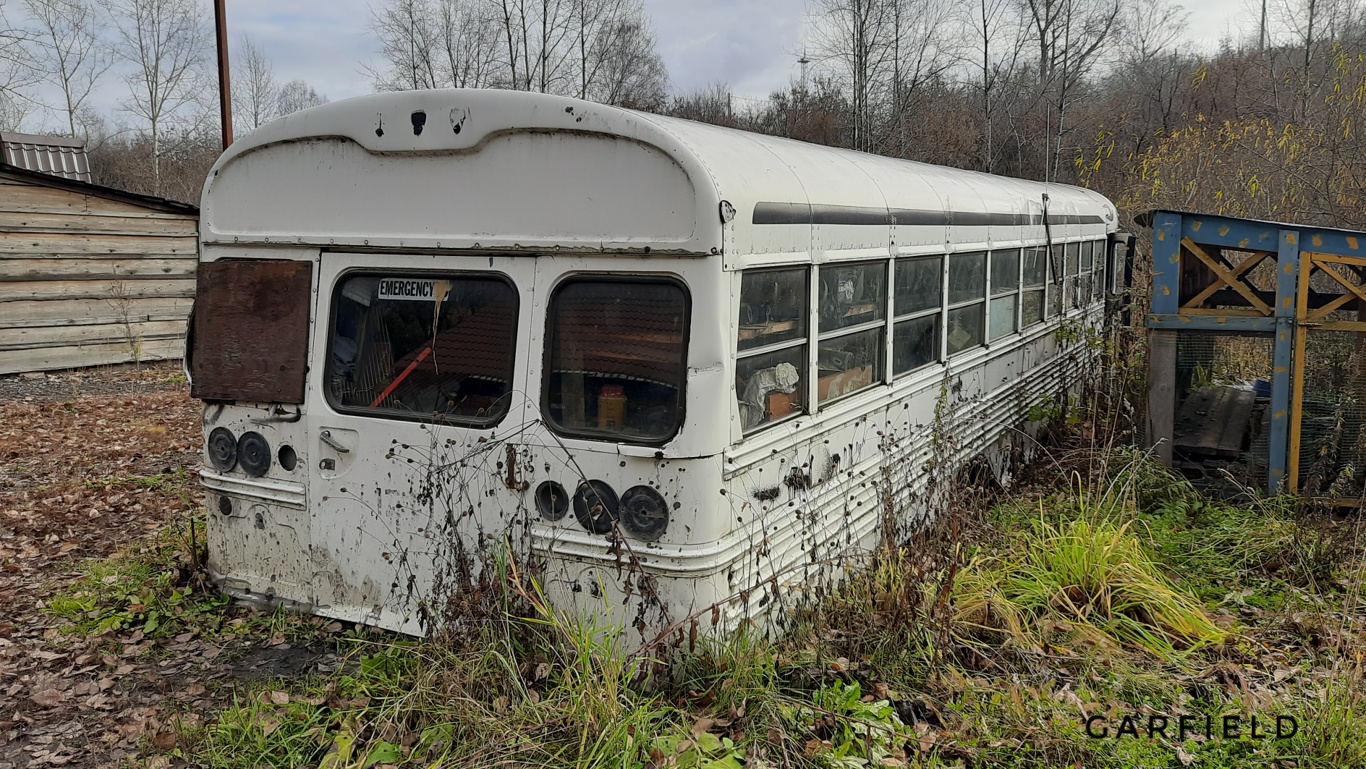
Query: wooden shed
91	275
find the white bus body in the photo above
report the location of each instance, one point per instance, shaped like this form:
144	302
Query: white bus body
419	310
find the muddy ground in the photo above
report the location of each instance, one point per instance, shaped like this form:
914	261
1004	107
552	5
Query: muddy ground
96	464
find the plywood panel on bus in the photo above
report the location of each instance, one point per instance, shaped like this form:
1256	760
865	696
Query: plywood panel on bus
241	304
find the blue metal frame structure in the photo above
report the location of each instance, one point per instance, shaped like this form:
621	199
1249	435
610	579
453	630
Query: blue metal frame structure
1180	236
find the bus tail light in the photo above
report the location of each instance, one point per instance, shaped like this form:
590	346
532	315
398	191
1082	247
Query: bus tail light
596	505
552	501
222	449
253	453
644	513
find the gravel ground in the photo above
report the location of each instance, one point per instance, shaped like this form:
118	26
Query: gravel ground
58	386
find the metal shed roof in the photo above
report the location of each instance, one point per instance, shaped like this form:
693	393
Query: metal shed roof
56	155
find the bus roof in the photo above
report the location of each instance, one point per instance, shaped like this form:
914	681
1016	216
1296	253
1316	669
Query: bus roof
516	171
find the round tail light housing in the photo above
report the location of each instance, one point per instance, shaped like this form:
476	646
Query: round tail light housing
253	454
644	513
222	449
552	501
595	505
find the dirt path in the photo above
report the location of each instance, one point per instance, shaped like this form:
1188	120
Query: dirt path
93	464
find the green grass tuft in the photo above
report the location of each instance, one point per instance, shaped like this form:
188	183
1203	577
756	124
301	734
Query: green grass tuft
1094	576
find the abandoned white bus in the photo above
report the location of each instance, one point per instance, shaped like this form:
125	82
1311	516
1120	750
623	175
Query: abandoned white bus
665	364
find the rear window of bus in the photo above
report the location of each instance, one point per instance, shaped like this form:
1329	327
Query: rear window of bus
617	359
429	347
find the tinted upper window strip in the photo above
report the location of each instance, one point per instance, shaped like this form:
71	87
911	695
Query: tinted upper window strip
781	213
849	215
802	213
1074	219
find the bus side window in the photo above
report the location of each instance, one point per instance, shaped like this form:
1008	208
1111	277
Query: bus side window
1071	262
1035	278
915	304
771	345
853	309
1055	281
1098	270
1005	292
967	300
1086	294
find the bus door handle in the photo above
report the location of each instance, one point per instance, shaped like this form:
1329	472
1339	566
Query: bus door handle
326	436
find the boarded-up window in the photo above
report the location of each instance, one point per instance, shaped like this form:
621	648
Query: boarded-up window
251	331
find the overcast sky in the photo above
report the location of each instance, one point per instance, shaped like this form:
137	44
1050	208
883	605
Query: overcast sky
750	45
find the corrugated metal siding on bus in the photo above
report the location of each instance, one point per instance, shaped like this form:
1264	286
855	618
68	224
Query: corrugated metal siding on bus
89	275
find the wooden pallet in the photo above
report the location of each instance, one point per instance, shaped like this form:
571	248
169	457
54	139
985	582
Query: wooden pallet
1214	422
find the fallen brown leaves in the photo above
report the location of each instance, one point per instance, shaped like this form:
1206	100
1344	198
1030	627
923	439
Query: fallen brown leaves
74	486
64	498
64	494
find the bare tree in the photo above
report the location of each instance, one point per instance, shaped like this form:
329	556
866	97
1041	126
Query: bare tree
405	32
997	42
13	111
436	44
68	51
1315	26
164	42
711	104
1069	35
883	50
297	95
1151	29
602	50
592	21
615	53
856	36
254	91
922	53
18	71
538	35
467	44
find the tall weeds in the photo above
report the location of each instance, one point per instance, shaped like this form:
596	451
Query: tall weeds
1094	576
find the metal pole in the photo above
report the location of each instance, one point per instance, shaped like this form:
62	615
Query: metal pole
1261	39
220	21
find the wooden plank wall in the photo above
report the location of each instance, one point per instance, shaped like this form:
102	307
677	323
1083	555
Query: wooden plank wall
88	281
